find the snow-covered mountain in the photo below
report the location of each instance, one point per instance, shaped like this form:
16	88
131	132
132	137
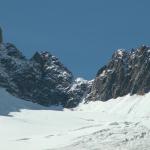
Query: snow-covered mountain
42	106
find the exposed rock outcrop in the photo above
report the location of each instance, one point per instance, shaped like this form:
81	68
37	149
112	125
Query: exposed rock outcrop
78	91
43	79
127	72
1	36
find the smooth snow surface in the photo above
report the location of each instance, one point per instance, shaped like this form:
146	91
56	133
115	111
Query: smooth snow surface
120	124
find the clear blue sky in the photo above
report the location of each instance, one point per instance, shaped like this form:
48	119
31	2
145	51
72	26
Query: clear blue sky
82	33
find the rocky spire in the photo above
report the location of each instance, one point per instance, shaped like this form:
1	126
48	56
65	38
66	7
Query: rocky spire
1	36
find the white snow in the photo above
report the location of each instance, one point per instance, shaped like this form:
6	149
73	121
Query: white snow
103	73
106	72
120	53
81	80
78	81
118	124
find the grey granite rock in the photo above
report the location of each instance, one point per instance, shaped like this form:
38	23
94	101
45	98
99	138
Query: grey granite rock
126	73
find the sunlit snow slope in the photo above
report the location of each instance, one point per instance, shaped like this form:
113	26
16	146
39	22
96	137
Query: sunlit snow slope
120	124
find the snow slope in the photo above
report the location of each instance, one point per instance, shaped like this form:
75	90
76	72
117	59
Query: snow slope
120	124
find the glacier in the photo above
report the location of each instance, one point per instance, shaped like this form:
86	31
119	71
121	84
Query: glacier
118	124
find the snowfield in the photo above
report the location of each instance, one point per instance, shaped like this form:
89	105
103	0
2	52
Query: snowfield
120	124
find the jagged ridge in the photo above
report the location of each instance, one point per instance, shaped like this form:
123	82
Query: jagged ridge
127	72
45	80
42	79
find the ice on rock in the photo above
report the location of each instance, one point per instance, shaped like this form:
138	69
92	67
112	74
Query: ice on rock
103	73
120	52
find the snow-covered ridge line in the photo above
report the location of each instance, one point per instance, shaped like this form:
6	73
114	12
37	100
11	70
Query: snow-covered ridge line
135	105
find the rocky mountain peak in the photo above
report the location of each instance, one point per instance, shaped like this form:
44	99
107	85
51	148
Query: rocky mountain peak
41	57
126	73
119	54
45	80
42	79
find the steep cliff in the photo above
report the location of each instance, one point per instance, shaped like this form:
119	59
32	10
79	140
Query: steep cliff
127	72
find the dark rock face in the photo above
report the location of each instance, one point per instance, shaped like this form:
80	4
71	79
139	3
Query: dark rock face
127	72
43	79
1	35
